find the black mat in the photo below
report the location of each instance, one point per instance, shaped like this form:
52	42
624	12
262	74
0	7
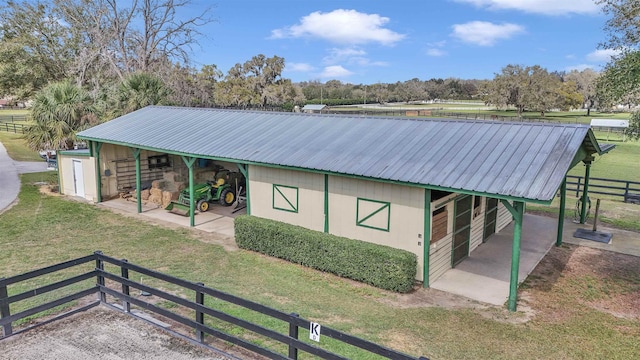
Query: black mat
598	236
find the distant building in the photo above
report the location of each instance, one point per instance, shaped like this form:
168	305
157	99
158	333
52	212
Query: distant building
315	108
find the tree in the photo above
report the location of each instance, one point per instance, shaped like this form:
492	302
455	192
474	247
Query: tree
34	48
620	80
59	111
585	81
633	131
623	25
139	90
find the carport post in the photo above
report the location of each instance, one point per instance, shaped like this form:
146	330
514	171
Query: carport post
426	238
563	202
189	161
244	169
136	154
517	211
585	190
96	153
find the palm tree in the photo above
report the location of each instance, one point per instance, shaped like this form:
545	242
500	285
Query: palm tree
59	111
140	90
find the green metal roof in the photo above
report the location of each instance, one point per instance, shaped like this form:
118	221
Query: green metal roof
508	159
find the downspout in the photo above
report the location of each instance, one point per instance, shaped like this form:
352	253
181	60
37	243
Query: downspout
517	211
326	203
585	189
426	237
98	146
244	169
189	161
136	154
563	202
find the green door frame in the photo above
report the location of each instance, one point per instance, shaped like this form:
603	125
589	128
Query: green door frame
517	211
96	153
136	155
563	202
244	169
426	245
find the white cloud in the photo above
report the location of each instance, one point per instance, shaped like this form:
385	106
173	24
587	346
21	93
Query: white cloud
299	67
337	55
579	67
570	56
435	52
343	27
484	33
600	56
546	7
335	71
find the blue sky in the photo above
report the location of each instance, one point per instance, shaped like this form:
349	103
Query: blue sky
370	41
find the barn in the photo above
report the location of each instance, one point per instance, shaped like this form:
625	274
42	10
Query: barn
437	188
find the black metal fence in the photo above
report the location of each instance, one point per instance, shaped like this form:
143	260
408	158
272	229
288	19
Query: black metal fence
118	284
629	191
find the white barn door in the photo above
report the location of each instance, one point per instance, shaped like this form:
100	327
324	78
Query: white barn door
78	178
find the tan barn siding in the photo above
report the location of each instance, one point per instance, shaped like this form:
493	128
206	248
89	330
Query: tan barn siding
67	186
477	227
504	217
405	219
440	251
310	200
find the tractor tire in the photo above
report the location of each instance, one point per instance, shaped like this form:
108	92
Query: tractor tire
202	206
227	197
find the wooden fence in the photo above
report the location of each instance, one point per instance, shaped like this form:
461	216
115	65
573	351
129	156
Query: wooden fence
628	191
122	292
12	127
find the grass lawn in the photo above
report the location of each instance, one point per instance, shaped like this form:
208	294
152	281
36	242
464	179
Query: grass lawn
16	147
42	230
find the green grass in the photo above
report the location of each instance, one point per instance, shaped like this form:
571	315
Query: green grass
42	230
16	147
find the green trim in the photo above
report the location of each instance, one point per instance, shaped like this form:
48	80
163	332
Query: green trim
189	161
60	187
326	203
136	154
385	205
74	153
426	244
517	210
387	181
563	202
98	173
294	206
91	148
244	169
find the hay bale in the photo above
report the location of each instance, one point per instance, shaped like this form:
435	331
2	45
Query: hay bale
170	176
155	192
156	199
167	196
144	194
157	184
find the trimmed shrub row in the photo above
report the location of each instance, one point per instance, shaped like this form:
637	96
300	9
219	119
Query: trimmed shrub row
377	265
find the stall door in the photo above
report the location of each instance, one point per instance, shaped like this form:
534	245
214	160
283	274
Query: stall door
78	178
491	215
461	229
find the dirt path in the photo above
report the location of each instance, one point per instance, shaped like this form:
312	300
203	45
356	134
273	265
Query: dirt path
100	333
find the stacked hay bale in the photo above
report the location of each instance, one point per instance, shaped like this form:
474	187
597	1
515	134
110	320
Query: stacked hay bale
162	192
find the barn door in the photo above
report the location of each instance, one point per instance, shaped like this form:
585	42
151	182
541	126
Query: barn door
461	229
490	217
78	178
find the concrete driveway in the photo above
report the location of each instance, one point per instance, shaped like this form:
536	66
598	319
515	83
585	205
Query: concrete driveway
9	180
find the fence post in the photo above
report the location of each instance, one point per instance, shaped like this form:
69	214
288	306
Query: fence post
578	186
200	314
124	272
102	296
5	311
293	332
626	191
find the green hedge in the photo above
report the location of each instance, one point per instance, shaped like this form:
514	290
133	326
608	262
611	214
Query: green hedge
377	265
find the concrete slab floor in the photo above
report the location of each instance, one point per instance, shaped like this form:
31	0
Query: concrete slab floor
485	274
218	219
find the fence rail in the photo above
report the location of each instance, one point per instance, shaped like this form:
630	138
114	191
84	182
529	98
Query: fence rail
627	190
122	292
12	127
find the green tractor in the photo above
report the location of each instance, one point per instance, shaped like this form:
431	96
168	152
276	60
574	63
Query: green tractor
222	190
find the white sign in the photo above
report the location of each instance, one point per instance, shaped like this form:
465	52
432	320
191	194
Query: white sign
314	331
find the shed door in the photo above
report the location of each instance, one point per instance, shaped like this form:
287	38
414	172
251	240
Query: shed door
491	214
78	178
461	229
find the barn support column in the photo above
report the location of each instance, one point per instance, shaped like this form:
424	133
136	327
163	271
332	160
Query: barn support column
517	210
136	155
244	169
189	161
96	153
326	203
563	202
426	237
585	189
